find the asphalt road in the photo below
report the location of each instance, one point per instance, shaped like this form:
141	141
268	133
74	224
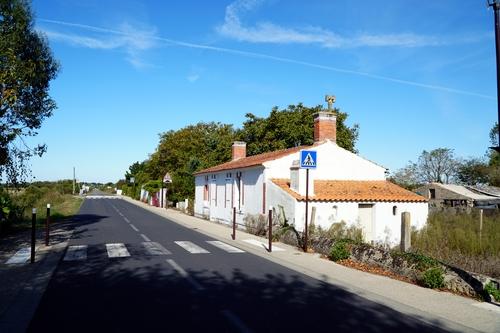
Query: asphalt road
161	286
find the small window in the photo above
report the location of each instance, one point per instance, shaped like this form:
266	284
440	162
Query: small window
394	210
206	178
205	192
335	212
432	193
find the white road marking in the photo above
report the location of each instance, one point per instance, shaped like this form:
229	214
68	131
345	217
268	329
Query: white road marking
487	306
145	238
76	252
225	247
155	249
133	227
191	247
260	244
117	250
20	257
237	323
126	219
185	274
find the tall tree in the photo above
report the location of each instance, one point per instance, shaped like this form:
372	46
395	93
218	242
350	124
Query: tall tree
474	171
290	127
26	68
438	165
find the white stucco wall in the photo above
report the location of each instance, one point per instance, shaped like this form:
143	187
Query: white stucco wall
386	227
277	197
333	163
224	194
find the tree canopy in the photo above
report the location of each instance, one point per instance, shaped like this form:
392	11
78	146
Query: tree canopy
195	147
26	69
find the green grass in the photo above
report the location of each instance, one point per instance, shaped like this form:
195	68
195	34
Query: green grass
63	206
454	238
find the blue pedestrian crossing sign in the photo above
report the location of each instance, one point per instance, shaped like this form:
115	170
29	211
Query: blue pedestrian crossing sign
308	159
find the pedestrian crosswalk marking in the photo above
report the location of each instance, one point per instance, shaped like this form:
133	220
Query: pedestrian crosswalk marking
76	252
20	257
191	247
155	249
225	247
117	250
261	244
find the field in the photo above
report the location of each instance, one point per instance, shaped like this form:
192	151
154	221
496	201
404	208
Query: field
455	238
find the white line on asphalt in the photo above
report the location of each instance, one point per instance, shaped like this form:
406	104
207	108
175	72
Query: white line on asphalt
225	247
133	227
260	244
20	257
185	274
191	247
76	252
155	249
117	250
235	321
126	219
145	238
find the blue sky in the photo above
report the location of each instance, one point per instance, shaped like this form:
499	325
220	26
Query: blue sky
414	75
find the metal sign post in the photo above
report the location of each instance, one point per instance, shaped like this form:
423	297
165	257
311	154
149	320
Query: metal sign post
308	160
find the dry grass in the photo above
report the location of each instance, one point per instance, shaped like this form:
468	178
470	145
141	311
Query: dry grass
455	238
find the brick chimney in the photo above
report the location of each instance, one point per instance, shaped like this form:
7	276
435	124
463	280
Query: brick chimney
239	150
325	126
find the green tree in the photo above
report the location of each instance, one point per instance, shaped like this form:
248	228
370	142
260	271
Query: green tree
474	171
290	127
26	68
407	177
438	165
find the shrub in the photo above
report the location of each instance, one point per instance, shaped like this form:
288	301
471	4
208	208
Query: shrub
433	278
421	262
454	238
340	251
256	224
491	289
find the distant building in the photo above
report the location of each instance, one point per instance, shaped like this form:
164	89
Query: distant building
450	195
343	187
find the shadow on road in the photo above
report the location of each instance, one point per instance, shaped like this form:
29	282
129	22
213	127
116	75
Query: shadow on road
130	295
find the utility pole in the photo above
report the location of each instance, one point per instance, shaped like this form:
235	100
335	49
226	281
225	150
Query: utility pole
496	8
74	180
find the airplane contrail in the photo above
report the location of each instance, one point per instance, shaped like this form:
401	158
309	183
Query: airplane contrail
274	58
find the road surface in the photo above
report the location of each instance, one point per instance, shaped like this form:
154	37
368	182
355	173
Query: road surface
129	270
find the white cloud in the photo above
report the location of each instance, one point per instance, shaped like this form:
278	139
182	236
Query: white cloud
185	44
267	32
132	40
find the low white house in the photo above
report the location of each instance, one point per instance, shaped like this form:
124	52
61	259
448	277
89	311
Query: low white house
343	187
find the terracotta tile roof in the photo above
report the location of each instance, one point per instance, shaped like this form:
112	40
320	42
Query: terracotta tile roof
252	160
354	190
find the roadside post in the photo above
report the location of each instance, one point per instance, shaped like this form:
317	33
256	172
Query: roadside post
47	226
234	223
270	229
308	160
33	238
